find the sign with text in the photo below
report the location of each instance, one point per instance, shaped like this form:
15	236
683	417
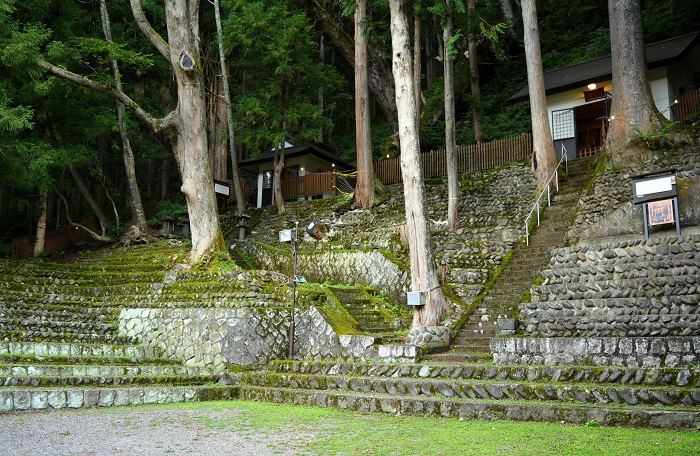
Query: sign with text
654	188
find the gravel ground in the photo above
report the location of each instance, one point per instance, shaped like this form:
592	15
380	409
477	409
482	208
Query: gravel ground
140	431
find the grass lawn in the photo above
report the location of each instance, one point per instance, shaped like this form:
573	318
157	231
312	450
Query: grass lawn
318	431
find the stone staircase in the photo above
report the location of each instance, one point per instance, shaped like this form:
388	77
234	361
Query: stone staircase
371	318
471	343
60	345
611	396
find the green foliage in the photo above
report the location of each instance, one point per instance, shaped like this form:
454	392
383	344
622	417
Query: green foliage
653	135
168	210
273	49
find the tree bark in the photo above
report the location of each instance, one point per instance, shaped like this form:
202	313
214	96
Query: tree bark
632	110
364	190
237	188
417	70
94	205
477	109
278	164
544	158
450	130
380	80
138	214
423	273
41	223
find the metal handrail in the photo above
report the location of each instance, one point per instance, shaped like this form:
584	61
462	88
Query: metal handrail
555	176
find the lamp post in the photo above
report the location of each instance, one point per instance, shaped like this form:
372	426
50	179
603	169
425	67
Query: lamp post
287	236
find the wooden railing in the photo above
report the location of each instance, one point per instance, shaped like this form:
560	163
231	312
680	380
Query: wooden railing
469	158
688	105
56	240
310	185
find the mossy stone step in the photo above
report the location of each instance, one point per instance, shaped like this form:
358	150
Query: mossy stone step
47	349
479	409
64	381
653	376
35	399
97	370
51	336
458	357
627	395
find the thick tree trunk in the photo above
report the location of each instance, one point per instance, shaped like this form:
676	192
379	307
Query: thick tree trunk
237	187
321	101
364	190
450	130
381	82
544	158
423	273
417	70
182	17
477	110
138	214
632	110
41	224
278	163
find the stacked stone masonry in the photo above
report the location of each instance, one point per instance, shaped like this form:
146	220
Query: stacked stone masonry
635	288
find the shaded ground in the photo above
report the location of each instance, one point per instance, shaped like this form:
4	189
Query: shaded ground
137	431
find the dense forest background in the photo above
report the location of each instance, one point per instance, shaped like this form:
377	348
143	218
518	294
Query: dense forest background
284	76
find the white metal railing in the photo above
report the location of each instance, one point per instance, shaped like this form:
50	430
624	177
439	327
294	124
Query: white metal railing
536	206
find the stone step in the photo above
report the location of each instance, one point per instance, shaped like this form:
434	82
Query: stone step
27	335
638	287
687	418
652	377
19	309
39	323
617	326
31	370
475	332
223	300
600	394
35	399
44	349
40	381
456	357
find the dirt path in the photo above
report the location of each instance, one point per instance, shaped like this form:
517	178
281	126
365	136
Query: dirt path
141	431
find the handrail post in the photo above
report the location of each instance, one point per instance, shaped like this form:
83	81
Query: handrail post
538	213
549	196
527	234
556	178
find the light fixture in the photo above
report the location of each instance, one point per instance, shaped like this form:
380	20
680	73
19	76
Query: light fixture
592	86
387	155
612	118
333	165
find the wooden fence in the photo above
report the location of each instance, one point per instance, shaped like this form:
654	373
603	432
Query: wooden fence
688	105
56	240
469	158
310	185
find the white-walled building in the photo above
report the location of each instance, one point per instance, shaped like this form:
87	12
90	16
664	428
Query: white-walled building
578	96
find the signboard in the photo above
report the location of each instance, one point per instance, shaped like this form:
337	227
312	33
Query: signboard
221	188
646	189
661	212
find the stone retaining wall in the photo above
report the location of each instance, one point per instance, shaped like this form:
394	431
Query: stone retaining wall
370	268
600	351
247	336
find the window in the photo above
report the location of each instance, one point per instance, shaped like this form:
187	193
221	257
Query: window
563	124
294	171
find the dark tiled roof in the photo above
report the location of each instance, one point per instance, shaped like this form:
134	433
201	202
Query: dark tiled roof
658	54
299	148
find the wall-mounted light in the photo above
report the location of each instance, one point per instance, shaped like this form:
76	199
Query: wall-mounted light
333	165
612	118
592	86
